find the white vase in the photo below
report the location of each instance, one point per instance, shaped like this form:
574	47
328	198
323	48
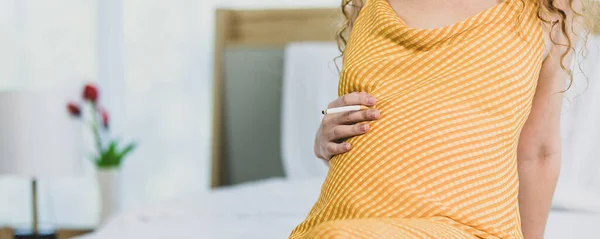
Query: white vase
108	183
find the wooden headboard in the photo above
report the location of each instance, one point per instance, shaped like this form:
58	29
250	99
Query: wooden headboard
259	28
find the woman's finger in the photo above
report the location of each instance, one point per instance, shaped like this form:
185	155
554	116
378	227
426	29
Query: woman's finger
356	98
354	117
347	131
335	149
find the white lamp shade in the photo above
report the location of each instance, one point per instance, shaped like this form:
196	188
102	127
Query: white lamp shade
38	137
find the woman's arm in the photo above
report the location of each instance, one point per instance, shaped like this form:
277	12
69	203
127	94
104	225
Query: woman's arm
539	151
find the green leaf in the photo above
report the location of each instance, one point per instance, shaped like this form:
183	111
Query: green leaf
127	150
108	157
112	147
113	154
112	157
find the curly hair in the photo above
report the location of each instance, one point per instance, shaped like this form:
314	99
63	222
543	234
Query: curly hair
549	11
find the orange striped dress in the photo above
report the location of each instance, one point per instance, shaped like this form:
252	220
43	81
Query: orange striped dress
441	162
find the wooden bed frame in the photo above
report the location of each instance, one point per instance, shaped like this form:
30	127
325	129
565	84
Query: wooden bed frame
6	233
259	28
272	28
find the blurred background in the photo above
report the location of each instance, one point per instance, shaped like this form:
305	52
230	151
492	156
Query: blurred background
152	62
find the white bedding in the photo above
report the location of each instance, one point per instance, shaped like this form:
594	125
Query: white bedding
266	209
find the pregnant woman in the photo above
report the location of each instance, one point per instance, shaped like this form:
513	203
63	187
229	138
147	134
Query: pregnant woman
462	139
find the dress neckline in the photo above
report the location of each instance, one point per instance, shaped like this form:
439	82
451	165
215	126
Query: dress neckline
486	12
390	25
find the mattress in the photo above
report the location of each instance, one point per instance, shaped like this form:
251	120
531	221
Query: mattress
266	209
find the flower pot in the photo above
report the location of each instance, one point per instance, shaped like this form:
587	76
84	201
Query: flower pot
108	183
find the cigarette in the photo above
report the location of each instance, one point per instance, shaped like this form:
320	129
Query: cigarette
344	109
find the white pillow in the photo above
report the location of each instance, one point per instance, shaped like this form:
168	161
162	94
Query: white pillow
309	84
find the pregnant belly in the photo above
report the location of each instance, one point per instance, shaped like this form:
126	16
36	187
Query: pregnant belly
423	155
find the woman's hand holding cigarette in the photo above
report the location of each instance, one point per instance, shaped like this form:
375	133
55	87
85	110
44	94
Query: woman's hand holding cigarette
336	128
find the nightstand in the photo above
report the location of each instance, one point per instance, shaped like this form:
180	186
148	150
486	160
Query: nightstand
6	233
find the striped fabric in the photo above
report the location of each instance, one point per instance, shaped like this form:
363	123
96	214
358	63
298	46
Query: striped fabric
441	160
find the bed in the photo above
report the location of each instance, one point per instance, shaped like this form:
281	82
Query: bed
266	209
271	207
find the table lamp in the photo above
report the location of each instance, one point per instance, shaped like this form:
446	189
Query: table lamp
38	140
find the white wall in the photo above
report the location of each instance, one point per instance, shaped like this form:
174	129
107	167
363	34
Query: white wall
166	57
47	45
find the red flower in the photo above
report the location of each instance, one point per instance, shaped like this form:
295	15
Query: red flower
90	92
74	109
104	118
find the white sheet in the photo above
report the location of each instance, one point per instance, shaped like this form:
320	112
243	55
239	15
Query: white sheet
268	209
